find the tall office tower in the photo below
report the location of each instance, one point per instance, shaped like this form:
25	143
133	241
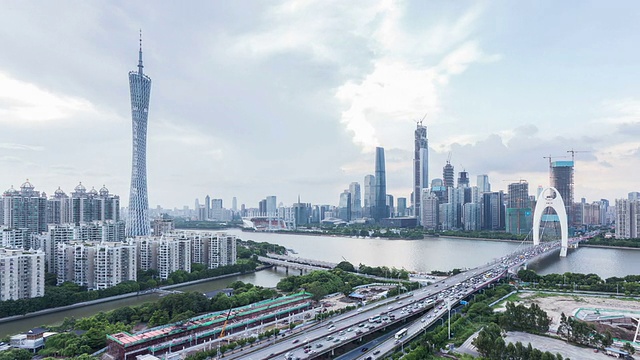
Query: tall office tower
344	206
140	88
456	197
369	195
207	207
448	175
472	219
272	209
562	179
262	207
627	219
356	200
463	179
25	209
234	204
483	183
21	274
519	215
430	211
493	216
58	208
96	265
390	206
380	204
438	188
402	207
420	166
634	195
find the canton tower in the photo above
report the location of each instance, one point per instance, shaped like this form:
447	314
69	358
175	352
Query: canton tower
140	88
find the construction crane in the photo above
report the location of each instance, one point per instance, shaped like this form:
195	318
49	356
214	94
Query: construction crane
573	153
424	117
224	326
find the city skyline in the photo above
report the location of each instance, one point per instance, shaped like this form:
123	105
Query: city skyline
248	77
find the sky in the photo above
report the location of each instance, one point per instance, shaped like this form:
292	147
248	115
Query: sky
258	98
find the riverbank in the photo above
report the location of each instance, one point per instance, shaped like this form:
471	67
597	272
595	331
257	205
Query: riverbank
607	247
123	296
483	239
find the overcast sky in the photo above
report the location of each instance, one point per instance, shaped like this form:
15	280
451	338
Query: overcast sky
257	98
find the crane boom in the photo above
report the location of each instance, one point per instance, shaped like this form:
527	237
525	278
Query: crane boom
224	326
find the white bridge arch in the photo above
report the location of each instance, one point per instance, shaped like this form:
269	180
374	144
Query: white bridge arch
546	200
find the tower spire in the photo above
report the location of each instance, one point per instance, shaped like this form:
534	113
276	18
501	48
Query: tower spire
140	66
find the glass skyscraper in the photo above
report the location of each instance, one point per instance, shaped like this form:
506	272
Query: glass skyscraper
420	166
140	88
380	202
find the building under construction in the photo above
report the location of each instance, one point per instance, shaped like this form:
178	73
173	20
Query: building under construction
204	328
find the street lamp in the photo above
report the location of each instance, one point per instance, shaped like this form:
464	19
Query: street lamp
449	308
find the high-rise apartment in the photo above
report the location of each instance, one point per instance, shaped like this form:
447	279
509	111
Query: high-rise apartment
25	209
627	219
420	166
21	274
96	265
140	89
380	205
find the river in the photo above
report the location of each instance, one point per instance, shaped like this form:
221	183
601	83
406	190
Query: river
425	255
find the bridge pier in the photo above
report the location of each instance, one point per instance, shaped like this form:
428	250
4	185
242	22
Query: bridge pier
300	272
286	270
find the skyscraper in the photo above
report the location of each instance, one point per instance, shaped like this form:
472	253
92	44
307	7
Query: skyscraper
562	179
483	183
463	179
420	166
356	202
140	89
448	175
369	195
380	203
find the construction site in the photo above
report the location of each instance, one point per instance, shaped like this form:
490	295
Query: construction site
204	328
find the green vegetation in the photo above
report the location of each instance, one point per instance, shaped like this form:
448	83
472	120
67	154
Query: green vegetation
209	354
477	315
383	271
247	249
521	318
181	223
70	293
364	230
491	345
483	235
589	282
582	333
169	309
321	283
601	241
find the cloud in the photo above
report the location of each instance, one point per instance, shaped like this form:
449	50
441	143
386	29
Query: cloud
25	102
12	146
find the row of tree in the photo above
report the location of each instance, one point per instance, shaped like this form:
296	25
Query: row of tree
586	282
492	346
69	293
600	240
583	333
521	318
172	308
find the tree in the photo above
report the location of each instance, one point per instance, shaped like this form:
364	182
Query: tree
629	348
346	266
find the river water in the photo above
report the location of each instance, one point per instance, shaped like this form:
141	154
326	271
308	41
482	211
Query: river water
425	255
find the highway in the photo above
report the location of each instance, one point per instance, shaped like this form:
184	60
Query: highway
430	302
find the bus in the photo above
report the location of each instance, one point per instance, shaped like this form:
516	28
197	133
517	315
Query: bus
374	318
401	333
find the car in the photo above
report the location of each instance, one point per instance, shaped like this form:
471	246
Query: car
364	349
361	325
350	329
368	358
341	333
423	320
295	341
359	310
318	345
376	352
331	327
